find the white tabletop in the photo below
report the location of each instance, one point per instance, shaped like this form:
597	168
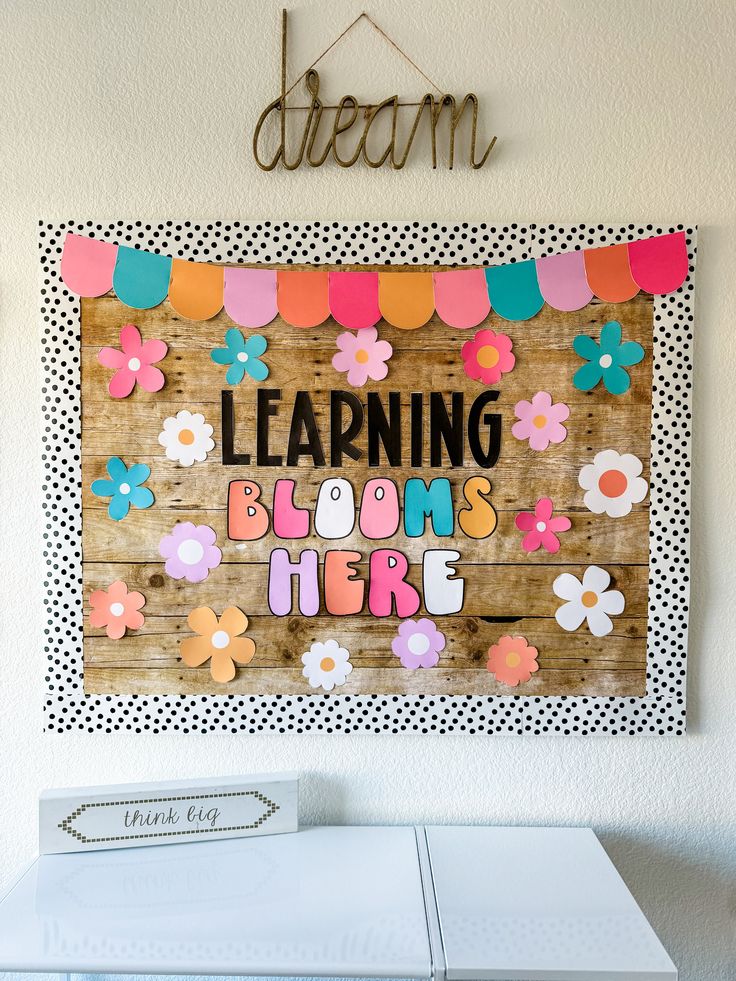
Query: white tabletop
325	902
538	904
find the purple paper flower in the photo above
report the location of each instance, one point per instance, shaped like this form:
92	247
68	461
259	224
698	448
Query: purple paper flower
190	551
418	644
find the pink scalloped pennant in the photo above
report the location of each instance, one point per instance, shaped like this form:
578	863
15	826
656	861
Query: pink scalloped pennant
353	299
562	281
87	265
250	296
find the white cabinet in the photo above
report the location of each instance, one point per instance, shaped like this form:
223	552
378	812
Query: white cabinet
424	904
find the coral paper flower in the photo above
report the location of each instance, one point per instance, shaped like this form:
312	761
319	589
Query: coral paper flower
190	551
362	356
116	609
540	421
219	641
124	487
134	363
512	660
418	644
612	483
187	437
541	527
488	356
242	355
606	360
326	665
589	600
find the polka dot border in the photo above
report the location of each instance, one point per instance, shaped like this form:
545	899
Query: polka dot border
67	708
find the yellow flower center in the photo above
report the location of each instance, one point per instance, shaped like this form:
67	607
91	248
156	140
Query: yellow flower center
487	356
540	421
361	356
186	436
513	660
327	664
589	598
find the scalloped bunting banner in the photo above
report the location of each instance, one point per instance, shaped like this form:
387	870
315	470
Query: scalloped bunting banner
462	298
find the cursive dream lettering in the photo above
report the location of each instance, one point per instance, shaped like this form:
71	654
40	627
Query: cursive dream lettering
322	139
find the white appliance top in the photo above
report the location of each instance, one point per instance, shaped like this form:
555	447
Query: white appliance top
326	902
538	904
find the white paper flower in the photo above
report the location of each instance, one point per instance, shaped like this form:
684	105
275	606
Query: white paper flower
187	437
589	600
326	665
612	483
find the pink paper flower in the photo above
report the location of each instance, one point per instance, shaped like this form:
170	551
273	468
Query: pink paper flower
362	355
540	527
190	551
116	609
512	660
134	364
540	421
488	356
418	644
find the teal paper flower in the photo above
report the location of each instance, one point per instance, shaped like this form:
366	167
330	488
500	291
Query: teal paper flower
606	359
124	487
242	356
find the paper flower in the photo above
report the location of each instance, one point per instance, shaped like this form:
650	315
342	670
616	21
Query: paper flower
362	355
418	644
190	551
124	487
326	665
488	356
187	437
589	600
116	609
540	421
612	483
512	660
242	356
219	641
606	359
134	363
540	527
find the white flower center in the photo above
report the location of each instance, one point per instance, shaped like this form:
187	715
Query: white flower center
243	357
220	639
541	526
134	364
190	551
124	488
605	361
117	609
418	644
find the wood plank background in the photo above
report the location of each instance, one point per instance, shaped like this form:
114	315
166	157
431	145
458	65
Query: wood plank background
506	591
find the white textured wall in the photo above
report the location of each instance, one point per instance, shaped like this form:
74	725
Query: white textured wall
604	110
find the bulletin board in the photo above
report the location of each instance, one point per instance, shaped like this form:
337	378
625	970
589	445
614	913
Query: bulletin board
367	477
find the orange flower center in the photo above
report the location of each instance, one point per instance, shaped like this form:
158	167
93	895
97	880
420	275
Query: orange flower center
186	436
487	356
540	421
589	598
327	664
361	356
513	660
612	483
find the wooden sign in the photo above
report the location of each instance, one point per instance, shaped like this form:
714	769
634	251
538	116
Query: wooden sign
134	815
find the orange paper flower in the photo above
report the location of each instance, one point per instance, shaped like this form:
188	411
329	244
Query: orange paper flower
116	609
512	660
219	642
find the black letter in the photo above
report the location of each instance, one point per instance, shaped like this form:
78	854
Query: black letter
417	429
303	415
341	442
229	457
379	427
265	409
441	429
493	421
